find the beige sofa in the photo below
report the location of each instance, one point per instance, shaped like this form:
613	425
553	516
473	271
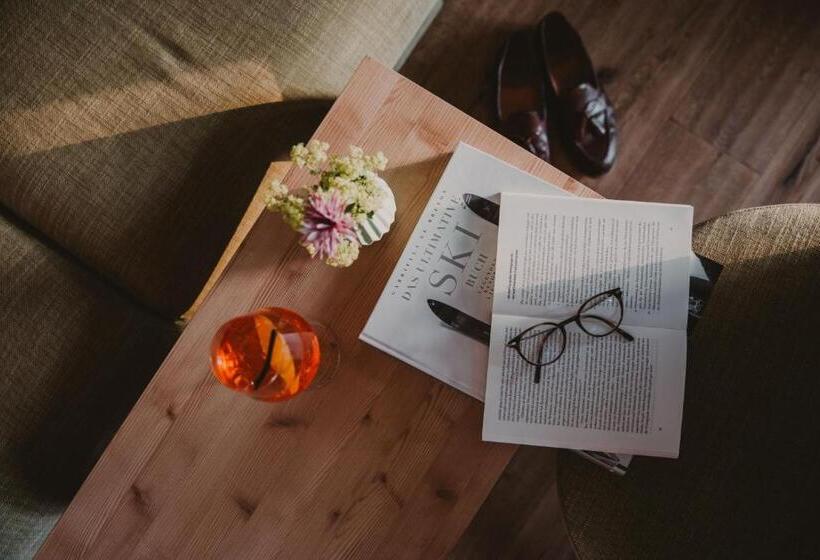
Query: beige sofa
132	137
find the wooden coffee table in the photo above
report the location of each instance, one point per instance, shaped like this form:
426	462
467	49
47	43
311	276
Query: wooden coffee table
383	462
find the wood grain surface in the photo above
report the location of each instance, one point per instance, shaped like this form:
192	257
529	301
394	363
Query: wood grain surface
716	101
383	462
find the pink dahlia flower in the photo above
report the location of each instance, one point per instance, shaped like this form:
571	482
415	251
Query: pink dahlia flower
326	224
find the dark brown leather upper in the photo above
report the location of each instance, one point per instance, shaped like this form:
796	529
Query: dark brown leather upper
596	115
585	113
591	121
521	94
529	130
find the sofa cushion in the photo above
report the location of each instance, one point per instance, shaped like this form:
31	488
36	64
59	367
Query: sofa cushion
76	354
135	133
153	209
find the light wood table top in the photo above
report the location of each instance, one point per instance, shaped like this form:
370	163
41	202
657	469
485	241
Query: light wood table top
383	462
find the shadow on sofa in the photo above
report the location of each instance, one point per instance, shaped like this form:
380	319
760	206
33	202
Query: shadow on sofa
152	210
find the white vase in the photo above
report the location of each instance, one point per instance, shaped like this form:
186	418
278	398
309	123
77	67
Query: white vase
372	229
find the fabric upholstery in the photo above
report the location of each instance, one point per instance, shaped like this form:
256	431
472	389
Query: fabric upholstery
75	356
135	133
746	484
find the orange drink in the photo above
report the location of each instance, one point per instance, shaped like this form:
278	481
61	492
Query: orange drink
270	355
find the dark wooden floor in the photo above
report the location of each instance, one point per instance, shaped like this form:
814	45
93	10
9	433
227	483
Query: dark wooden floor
718	106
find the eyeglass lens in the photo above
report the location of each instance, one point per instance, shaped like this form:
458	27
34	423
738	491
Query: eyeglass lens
542	344
601	314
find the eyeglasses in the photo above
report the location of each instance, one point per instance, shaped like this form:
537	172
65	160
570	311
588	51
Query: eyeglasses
542	344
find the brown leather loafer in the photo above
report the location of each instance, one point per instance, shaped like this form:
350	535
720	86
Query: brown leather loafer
521	96
586	114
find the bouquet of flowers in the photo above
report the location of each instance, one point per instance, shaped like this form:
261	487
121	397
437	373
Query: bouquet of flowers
349	205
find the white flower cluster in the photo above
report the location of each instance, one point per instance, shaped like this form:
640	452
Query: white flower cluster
346	253
354	177
311	156
279	199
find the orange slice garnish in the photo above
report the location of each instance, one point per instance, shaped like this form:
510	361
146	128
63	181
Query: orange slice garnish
281	363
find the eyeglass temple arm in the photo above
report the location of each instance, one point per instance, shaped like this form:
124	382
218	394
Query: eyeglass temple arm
624	334
618	330
537	377
515	340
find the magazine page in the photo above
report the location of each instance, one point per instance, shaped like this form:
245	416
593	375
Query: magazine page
438	301
603	394
619	393
553	253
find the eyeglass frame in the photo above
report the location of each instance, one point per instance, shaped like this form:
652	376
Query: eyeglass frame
515	342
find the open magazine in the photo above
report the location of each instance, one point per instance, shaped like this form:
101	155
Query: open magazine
621	393
435	310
